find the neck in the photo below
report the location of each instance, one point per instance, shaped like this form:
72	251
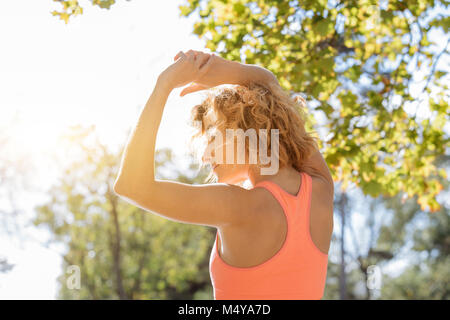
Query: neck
284	173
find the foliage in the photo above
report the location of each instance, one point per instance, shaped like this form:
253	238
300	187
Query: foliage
122	251
354	60
357	62
427	277
71	8
391	231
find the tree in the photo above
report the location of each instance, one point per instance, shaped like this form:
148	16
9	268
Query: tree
121	250
15	174
389	230
5	266
71	8
351	60
427	275
355	61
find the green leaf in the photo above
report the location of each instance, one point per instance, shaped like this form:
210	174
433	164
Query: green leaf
324	27
239	8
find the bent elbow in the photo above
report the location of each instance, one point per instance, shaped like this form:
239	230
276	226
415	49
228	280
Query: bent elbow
120	188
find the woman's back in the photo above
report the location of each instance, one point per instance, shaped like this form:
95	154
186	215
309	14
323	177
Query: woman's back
282	255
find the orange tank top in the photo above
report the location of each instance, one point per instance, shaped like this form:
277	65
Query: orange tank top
296	272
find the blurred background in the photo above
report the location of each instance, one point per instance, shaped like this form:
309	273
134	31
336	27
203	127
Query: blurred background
74	76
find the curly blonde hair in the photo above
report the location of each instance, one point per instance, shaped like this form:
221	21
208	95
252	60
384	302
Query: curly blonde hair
260	106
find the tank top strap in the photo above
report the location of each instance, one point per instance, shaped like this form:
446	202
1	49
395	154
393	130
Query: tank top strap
275	188
282	196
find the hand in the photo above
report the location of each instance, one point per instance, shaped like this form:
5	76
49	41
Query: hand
188	67
223	71
193	87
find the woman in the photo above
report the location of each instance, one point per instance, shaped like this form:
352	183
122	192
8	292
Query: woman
273	239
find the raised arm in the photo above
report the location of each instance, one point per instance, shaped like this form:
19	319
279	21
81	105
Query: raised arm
225	71
212	205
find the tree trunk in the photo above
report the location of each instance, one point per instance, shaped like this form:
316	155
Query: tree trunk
116	252
342	277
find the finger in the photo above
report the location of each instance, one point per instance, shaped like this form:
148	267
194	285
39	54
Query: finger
190	55
197	53
179	55
192	88
204	68
201	59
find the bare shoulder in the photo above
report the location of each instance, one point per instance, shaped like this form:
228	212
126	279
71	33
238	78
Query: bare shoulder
321	213
244	203
323	186
262	210
317	168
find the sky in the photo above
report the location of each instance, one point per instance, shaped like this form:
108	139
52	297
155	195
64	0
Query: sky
99	69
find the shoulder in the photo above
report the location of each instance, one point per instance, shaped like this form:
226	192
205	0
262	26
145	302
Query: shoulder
266	209
322	200
249	206
322	185
243	204
323	182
